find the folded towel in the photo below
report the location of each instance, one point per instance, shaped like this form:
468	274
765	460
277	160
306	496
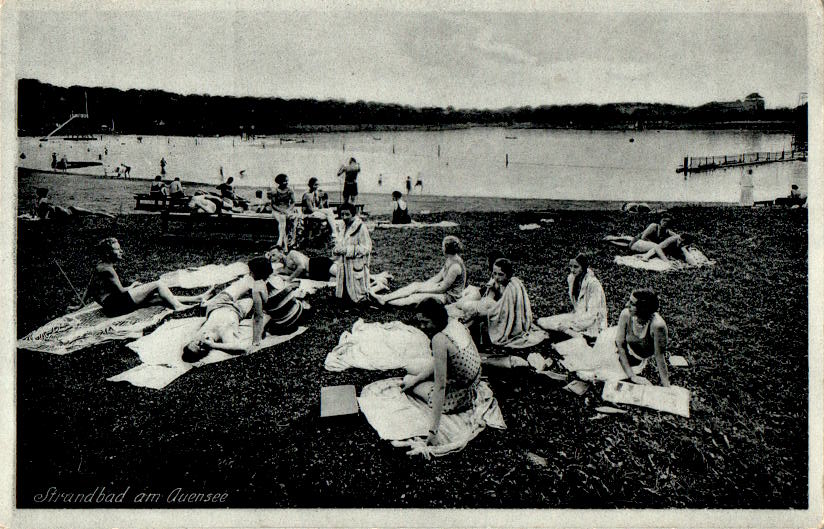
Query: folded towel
89	326
161	351
205	276
378	346
405	420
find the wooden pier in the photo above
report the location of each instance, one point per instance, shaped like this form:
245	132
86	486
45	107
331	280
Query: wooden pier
700	164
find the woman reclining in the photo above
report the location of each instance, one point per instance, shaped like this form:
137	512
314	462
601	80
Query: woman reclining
446	286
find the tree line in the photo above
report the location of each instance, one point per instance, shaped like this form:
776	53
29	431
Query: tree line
42	106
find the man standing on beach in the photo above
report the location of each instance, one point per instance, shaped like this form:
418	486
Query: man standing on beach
350	180
163	166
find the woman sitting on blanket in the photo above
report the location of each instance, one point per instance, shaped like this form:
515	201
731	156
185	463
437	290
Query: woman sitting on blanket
283	200
118	300
447	382
400	211
446	286
312	205
589	315
641	334
652	235
225	311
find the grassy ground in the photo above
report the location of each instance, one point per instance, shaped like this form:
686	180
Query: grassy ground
250	427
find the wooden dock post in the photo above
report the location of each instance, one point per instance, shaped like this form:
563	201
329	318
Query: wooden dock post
507	159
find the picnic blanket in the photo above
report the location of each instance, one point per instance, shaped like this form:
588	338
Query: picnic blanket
413	224
594	363
160	352
378	346
89	326
405	420
204	276
696	256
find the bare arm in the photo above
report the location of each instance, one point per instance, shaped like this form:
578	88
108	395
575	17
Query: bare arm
111	282
660	335
259	296
439	353
644	234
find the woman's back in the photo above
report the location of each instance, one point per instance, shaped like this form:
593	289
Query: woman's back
454	291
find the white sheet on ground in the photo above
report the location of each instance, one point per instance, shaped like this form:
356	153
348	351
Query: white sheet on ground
378	346
672	399
593	363
89	326
655	264
413	224
531	226
161	351
205	276
405	420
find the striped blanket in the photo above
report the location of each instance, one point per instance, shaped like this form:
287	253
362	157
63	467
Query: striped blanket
89	326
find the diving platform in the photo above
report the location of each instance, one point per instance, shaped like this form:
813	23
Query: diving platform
700	164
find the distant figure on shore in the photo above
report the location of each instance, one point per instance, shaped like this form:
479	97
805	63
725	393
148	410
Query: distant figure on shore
746	189
350	180
635	207
45	210
127	171
163	166
419	183
400	211
408	184
54	160
158	189
380	180
176	188
795	194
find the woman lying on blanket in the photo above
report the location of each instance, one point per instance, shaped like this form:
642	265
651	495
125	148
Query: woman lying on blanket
641	334
45	210
673	246
589	315
116	299
298	265
273	312
446	382
446	286
652	235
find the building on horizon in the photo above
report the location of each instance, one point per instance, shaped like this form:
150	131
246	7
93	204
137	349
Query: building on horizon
752	103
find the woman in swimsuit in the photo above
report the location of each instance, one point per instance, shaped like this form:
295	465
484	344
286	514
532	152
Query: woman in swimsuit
642	334
117	300
652	235
282	200
298	265
446	286
447	382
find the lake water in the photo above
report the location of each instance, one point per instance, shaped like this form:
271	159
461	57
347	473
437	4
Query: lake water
546	164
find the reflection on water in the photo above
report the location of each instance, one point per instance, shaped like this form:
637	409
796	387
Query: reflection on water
488	162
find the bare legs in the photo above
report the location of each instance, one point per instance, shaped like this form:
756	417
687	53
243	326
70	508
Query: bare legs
658	249
146	293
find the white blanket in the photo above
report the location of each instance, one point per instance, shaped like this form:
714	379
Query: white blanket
405	420
378	346
413	224
525	227
593	363
89	326
205	276
161	351
655	264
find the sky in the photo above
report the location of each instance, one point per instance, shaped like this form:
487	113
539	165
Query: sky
468	58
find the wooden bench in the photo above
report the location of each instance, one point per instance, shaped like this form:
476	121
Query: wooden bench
154	202
782	201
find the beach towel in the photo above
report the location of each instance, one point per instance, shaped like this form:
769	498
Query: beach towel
161	351
204	276
657	265
413	224
594	363
378	346
525	227
405	420
89	326
510	320
671	399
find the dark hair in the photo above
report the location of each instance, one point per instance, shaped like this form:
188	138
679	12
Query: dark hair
452	245
177	178
348	206
104	248
41	192
260	267
686	239
582	260
396	195
158	178
794	186
430	308
493	256
312	181
230	179
505	265
281	178
259	193
352	160
646	302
